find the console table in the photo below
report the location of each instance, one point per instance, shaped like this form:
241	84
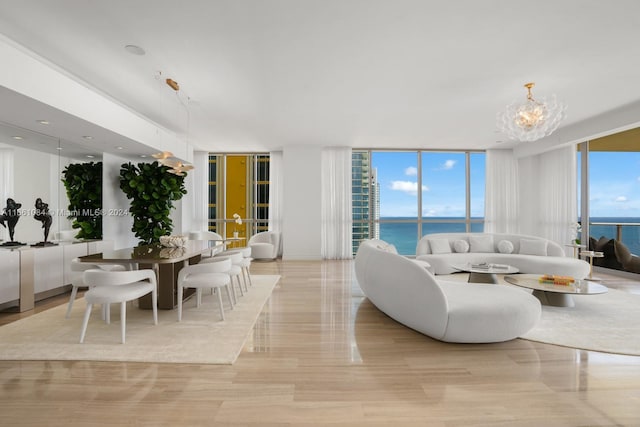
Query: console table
33	273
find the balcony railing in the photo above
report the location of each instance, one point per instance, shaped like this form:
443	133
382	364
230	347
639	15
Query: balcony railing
618	226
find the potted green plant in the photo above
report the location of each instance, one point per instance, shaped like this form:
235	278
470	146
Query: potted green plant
152	190
83	184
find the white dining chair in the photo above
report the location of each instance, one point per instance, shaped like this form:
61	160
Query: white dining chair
235	271
211	236
244	263
107	287
77	270
205	275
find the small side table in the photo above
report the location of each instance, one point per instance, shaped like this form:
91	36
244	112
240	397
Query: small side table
575	247
591	255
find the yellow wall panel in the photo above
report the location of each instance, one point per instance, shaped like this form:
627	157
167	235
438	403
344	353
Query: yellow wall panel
236	192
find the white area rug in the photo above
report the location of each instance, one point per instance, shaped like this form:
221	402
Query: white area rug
201	337
608	322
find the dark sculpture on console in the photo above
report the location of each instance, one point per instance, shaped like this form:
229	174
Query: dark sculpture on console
42	214
10	215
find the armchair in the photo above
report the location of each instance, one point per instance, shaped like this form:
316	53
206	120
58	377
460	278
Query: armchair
265	245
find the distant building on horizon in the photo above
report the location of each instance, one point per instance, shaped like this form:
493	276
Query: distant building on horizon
365	199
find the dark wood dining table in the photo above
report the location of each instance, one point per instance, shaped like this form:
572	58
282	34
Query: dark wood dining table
165	261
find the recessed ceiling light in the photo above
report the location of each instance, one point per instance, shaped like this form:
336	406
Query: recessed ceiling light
87	137
43	122
59	148
90	156
119	148
17	137
135	50
143	156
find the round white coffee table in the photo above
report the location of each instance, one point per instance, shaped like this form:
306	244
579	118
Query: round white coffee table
555	295
486	273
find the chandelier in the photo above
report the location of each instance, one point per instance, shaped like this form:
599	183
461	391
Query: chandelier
175	166
532	119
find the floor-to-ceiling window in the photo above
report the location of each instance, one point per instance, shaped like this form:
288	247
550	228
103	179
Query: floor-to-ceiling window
399	196
238	184
612	177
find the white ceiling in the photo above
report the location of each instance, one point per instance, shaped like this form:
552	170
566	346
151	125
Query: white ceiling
257	75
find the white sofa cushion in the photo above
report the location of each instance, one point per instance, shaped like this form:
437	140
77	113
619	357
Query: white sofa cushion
505	247
439	246
486	312
481	243
533	247
461	246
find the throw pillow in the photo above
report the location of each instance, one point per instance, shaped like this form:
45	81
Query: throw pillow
481	244
601	243
622	252
505	247
440	246
633	265
461	246
609	260
533	247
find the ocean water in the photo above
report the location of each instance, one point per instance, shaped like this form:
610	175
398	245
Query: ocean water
404	235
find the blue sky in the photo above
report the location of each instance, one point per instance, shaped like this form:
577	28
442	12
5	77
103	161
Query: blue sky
614	184
443	184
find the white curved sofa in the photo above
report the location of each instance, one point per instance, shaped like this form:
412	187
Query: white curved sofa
530	254
445	310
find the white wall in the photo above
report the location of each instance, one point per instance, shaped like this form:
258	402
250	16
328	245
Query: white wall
116	226
182	212
302	205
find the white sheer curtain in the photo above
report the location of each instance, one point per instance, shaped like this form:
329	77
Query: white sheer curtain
501	192
200	191
548	204
6	183
276	185
336	212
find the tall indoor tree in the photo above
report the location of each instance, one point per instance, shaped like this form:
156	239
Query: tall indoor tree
152	190
83	183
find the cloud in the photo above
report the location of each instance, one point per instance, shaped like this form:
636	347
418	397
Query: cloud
413	171
409	187
449	164
621	199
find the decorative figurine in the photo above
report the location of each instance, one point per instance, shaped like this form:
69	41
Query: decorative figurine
42	214
11	216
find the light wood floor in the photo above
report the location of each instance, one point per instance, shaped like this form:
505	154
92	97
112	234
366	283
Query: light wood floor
321	354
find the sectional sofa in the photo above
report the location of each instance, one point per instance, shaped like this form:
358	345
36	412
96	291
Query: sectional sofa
450	311
529	254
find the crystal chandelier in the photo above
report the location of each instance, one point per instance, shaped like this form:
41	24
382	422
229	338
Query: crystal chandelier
532	119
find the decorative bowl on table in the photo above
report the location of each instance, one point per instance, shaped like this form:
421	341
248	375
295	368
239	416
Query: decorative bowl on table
172	252
173	241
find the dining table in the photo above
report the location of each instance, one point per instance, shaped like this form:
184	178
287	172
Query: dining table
165	261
